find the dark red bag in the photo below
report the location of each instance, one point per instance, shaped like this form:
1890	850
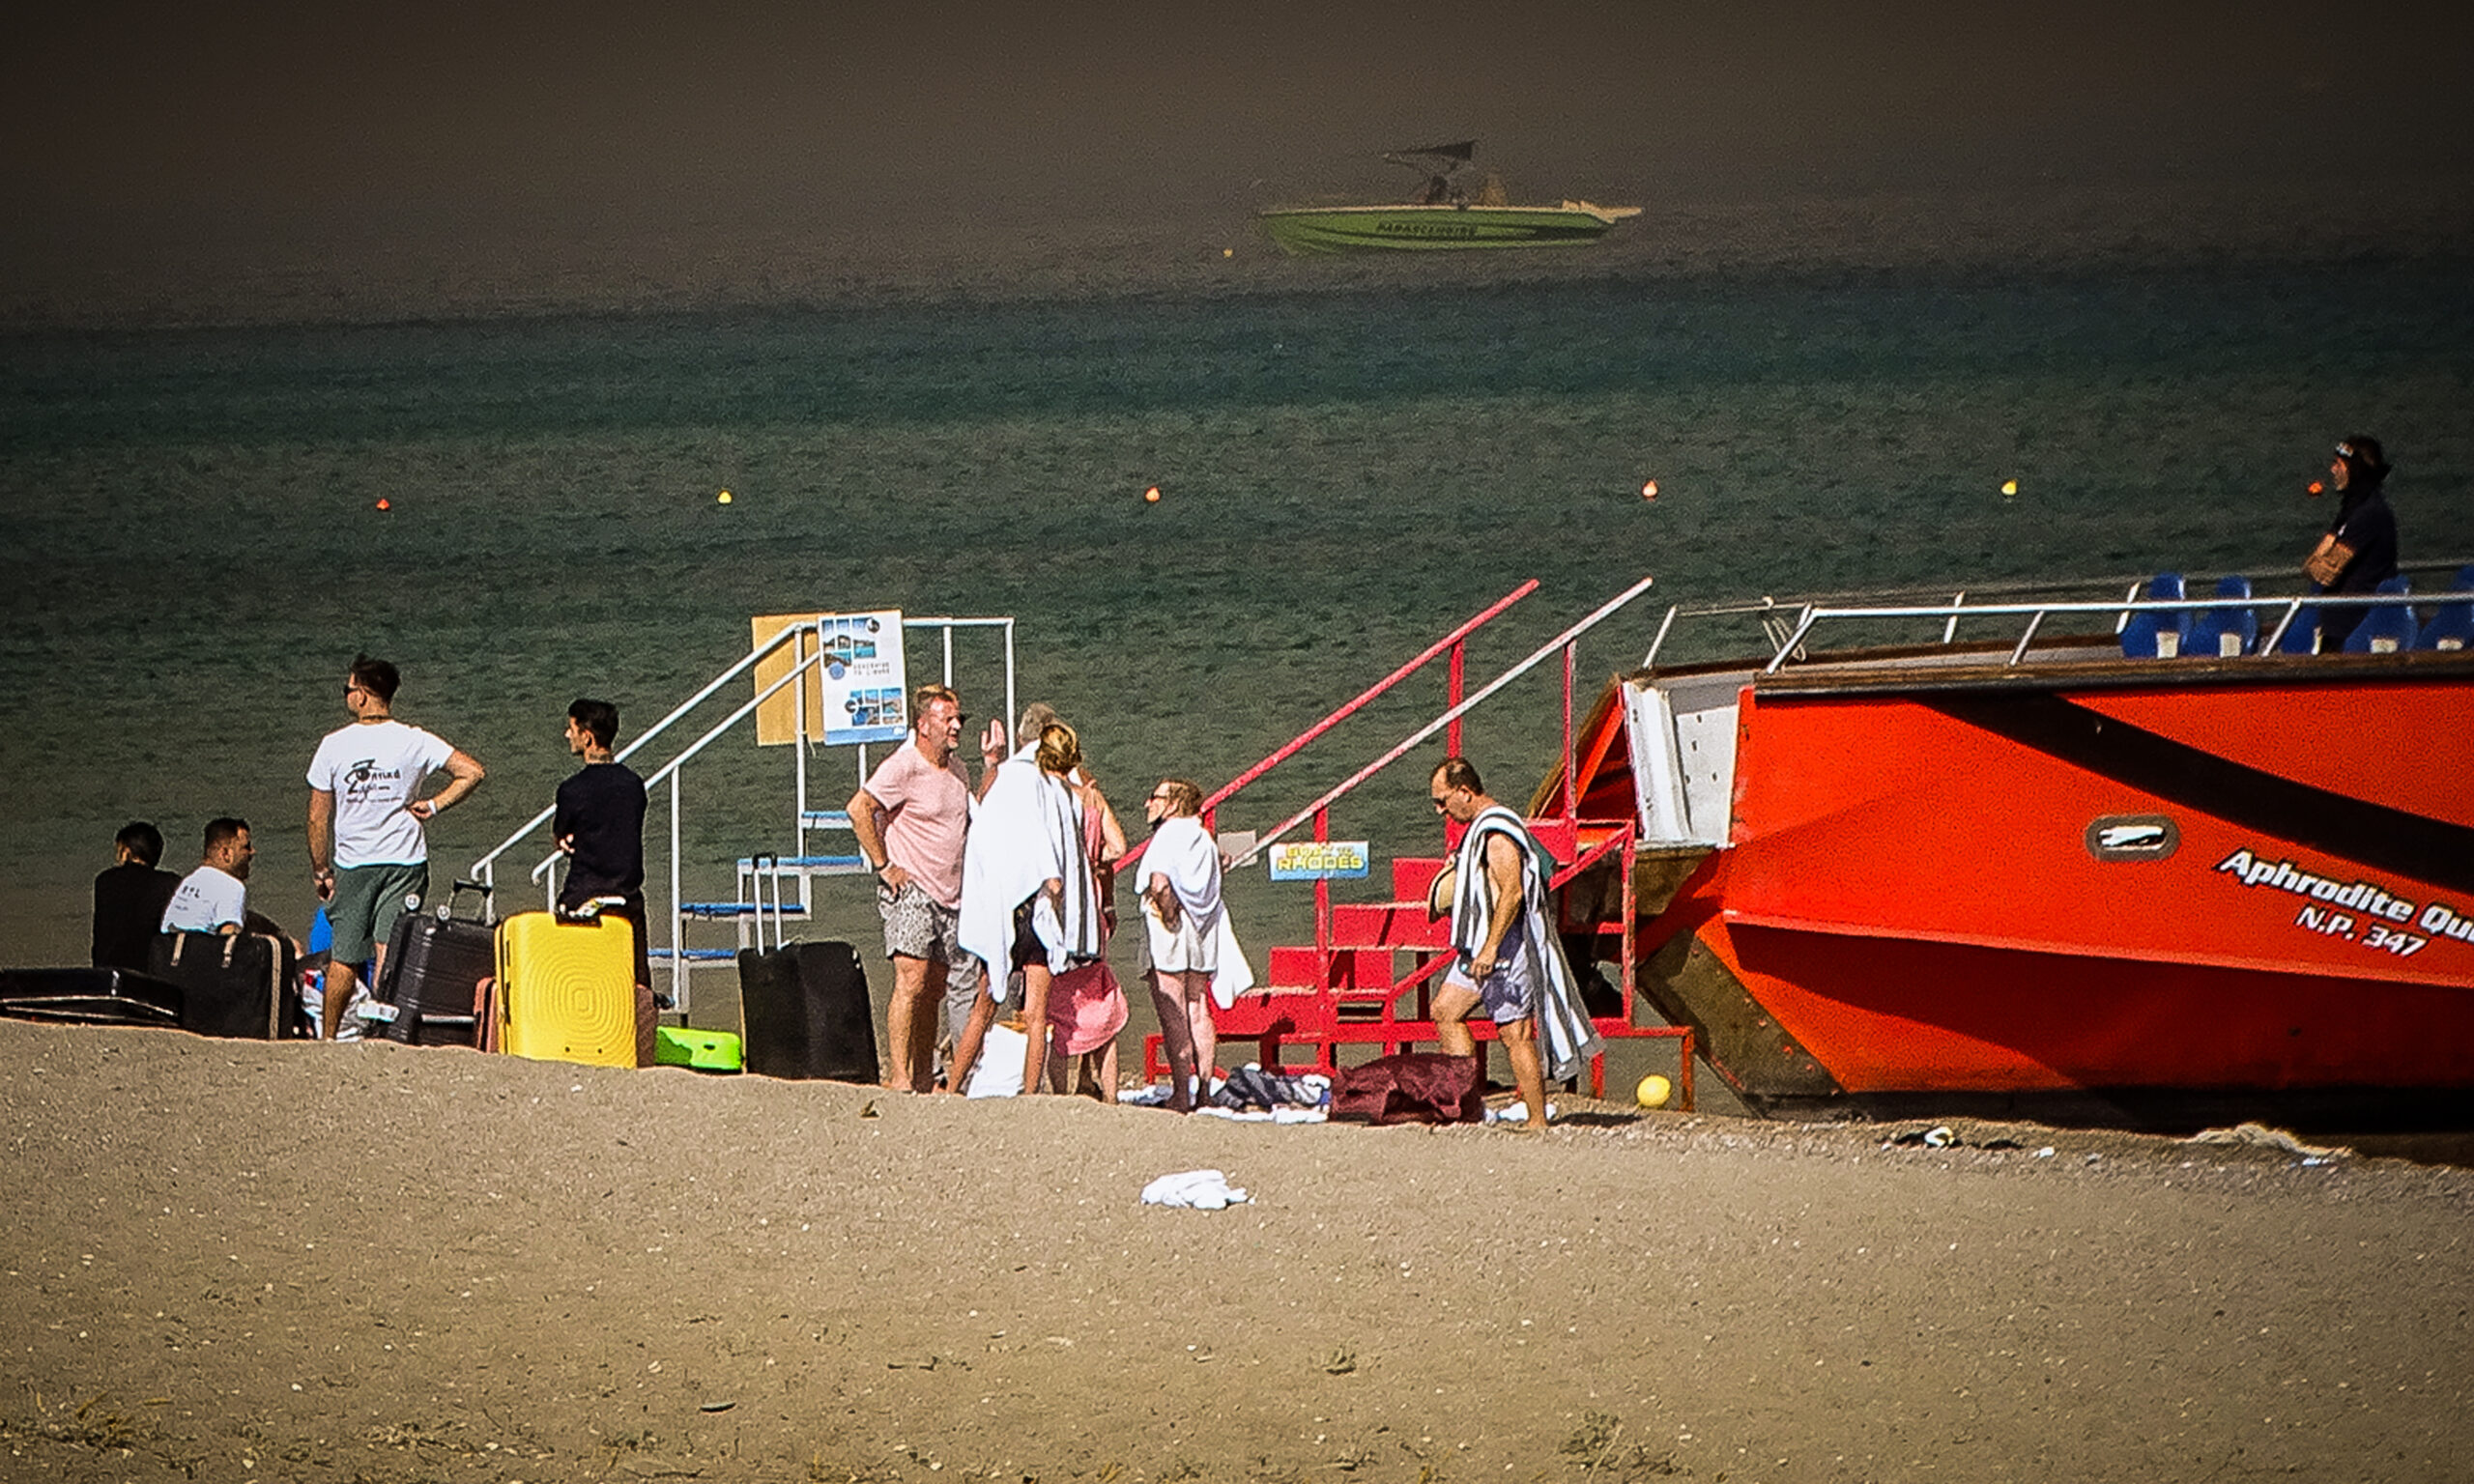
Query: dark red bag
1413	1087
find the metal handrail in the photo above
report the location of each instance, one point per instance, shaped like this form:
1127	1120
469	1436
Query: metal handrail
484	870
798	676
1452	714
1844	602
2036	613
1298	743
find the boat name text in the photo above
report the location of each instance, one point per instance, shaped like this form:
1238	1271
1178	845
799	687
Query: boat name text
2367	897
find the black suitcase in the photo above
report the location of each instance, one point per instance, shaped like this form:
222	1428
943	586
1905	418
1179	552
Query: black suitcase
238	984
89	997
428	995
805	1008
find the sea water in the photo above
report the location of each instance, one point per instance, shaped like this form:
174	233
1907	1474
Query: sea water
193	547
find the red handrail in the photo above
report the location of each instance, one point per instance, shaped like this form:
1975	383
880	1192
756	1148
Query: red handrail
1291	748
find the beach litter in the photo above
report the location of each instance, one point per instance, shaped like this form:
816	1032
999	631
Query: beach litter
1944	1136
1200	1190
2262	1136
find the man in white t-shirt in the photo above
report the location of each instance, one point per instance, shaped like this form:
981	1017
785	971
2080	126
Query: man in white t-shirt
214	898
366	848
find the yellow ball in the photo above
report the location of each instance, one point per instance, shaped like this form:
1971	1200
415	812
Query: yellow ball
1654	1091
723	499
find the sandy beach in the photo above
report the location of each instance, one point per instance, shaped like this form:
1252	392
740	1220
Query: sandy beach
239	1261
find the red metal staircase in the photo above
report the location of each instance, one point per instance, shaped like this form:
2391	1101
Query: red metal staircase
1368	978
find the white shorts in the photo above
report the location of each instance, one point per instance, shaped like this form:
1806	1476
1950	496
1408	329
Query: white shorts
1184	950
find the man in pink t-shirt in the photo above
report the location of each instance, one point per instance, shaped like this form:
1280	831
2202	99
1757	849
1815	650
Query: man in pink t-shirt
910	819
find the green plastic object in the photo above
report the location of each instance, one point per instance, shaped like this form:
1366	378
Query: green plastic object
680	1046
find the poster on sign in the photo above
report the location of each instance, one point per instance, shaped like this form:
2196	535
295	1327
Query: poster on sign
860	677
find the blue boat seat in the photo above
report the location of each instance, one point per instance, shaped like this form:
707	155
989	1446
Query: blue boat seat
2141	635
2387	627
2452	623
2218	632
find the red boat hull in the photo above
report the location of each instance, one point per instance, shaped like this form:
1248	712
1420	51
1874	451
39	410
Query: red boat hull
2128	893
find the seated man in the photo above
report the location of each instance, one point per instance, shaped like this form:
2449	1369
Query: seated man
214	898
129	898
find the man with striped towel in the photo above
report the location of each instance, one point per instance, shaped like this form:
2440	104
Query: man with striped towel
1507	957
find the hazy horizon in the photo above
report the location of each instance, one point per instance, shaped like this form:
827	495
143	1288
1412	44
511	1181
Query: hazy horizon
171	158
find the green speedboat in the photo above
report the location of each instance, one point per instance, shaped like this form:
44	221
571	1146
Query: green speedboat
1443	216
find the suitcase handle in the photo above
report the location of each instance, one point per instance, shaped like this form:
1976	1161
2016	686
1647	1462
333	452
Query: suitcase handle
446	909
760	868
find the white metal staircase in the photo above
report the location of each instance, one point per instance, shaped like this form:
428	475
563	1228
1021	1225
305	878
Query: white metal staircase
759	876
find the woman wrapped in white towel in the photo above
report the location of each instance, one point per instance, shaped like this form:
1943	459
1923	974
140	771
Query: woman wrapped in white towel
1189	947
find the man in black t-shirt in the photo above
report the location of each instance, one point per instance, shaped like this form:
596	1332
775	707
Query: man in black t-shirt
2359	550
129	898
600	825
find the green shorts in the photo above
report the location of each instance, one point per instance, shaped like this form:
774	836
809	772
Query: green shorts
367	902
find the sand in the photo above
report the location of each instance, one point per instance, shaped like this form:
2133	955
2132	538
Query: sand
235	1261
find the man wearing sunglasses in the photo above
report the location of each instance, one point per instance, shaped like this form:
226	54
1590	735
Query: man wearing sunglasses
367	849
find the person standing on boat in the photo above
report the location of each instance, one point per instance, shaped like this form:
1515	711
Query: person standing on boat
2359	549
910	819
368	852
599	826
1505	956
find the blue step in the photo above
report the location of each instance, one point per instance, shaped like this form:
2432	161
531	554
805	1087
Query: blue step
817	864
825	819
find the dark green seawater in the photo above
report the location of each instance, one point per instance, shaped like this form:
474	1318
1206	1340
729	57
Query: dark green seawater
189	553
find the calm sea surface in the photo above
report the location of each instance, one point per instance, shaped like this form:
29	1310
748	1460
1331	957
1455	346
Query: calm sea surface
191	551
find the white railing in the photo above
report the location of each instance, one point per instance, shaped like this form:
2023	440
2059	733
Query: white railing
1563	641
796	679
1788	623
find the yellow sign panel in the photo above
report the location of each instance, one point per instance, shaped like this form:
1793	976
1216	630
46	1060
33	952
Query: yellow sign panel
776	719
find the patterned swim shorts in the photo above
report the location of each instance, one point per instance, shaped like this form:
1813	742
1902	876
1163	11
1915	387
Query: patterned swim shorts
1507	995
917	925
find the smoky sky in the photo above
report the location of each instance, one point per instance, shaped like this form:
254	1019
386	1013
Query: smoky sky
209	115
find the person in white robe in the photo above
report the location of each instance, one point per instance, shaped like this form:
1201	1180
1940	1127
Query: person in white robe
1029	900
1189	947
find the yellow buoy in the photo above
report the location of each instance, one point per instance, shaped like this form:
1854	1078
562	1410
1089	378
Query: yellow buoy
2009	486
723	499
1654	1091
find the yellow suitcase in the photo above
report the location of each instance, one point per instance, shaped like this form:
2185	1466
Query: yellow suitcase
566	990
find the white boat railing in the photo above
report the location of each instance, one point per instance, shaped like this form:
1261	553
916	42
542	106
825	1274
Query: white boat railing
1789	624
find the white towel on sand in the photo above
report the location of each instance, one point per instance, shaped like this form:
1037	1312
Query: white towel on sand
1201	1190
